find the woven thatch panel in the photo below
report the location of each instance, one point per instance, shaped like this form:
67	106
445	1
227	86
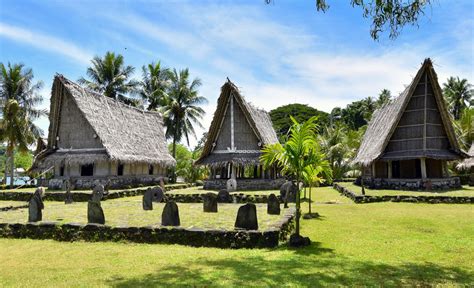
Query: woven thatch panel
223	140
74	130
388	136
381	169
244	136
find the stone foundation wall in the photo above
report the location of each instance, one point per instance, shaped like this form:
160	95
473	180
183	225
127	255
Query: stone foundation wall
403	198
411	184
245	184
192	237
116	182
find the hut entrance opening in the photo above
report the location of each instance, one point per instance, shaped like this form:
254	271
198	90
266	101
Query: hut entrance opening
87	170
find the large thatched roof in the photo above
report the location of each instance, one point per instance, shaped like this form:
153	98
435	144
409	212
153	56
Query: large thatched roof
469	162
258	119
384	122
125	133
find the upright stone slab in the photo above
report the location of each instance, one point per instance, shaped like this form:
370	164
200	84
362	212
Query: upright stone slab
67	186
288	191
224	197
170	216
231	185
95	214
210	202
273	205
147	200
158	194
247	217
35	206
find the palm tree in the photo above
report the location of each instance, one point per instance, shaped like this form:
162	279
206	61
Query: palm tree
458	94
464	128
316	174
155	84
385	97
111	77
299	152
181	109
19	99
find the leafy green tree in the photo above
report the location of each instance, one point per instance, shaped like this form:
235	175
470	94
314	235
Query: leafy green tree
458	93
183	159
464	128
19	99
314	175
390	15
111	77
155	84
301	112
299	152
384	97
181	107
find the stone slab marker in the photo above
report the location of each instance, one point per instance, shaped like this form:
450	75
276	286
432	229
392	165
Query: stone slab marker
273	205
247	217
158	194
224	197
210	202
95	214
170	215
68	187
147	200
35	206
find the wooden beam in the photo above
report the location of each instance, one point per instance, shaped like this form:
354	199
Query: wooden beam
389	169
423	168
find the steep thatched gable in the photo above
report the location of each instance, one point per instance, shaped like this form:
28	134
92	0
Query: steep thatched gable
110	130
386	120
257	128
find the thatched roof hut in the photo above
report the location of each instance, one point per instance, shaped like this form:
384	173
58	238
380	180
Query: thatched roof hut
413	136
89	128
236	136
469	162
233	146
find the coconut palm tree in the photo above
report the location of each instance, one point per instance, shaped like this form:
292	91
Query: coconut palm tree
181	109
111	77
464	128
458	93
299	152
155	84
19	100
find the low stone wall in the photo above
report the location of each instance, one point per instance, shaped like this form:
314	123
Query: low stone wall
245	184
116	182
411	184
403	198
191	237
236	198
83	196
8	208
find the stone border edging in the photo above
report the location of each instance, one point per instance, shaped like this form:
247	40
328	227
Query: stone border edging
403	198
83	196
9	208
192	237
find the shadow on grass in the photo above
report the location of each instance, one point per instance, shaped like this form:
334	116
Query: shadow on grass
313	266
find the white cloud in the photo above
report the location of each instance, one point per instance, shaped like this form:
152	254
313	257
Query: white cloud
45	42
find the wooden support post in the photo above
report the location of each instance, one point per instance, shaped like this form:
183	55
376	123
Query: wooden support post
255	171
373	169
423	168
389	169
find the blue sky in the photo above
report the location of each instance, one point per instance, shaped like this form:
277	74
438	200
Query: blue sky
280	53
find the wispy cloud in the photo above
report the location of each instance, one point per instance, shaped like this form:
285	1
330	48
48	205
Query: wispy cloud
45	42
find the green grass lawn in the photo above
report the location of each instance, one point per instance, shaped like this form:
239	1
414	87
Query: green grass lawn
381	244
129	212
464	191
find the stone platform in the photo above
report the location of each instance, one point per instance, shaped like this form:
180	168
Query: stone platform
245	184
411	184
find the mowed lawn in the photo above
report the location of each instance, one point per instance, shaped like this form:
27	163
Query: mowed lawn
466	190
381	244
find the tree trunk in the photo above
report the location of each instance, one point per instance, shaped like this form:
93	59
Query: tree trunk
298	209
173	176
309	209
12	168
5	172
